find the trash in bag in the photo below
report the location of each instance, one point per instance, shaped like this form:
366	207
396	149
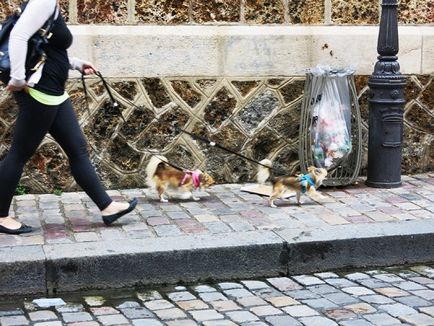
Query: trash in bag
331	116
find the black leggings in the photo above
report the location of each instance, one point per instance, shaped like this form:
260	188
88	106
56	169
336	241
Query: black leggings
34	121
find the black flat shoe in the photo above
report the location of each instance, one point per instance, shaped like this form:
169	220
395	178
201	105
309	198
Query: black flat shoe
22	229
109	219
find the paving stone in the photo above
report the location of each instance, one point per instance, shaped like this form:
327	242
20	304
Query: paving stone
113	319
340	282
52	323
97	311
409	286
251	301
149	296
320	304
339	314
94	300
317	321
284	283
168	314
376	299
361	308
228	286
308	280
267	293
219	323
413	301
322	289
86	236
70	307
146	322
226	305
340	298
181	296
237	293
382	319
13	320
373	283
11	312
71	317
418	319
326	275
42	315
167	230
207	288
158	304
356	322
209	314
428	310
302	294
181	322
300	311
358	291
282	321
392	292
422	280
241	316
268	310
254	285
397	309
424	294
212	296
282	301
137	312
192	305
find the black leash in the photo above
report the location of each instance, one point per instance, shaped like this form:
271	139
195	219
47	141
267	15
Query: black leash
115	105
194	136
213	144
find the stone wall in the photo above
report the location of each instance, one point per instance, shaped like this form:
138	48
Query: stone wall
250	102
352	12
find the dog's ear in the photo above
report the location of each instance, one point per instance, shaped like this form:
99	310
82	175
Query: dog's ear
311	169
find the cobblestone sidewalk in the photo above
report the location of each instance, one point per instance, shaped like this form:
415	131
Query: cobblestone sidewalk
393	296
72	217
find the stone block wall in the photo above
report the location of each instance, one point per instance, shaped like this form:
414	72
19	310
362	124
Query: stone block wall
255	114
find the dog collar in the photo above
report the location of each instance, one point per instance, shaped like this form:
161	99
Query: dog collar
195	176
304	181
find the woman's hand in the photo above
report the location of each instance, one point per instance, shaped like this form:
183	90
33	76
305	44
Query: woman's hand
87	68
15	85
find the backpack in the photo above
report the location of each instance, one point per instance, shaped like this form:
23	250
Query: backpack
35	53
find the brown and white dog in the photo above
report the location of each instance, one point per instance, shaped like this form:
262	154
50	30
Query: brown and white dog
161	176
307	183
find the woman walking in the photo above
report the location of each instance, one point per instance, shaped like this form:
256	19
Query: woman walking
45	107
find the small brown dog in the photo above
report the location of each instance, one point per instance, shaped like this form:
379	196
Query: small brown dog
301	184
160	175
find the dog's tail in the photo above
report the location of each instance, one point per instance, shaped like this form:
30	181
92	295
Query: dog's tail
152	167
264	171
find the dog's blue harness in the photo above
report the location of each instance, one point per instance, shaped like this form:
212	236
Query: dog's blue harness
304	181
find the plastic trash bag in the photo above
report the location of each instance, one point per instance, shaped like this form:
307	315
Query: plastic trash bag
331	116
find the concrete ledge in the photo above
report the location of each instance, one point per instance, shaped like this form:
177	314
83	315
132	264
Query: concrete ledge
359	246
130	263
243	51
22	270
137	262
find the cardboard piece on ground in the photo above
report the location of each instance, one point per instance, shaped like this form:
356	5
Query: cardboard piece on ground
264	190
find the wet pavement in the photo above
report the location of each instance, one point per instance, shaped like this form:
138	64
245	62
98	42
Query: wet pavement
223	209
229	233
388	296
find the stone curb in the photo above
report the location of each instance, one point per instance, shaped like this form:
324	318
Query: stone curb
56	268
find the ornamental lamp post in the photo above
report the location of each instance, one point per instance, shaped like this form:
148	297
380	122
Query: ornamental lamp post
386	105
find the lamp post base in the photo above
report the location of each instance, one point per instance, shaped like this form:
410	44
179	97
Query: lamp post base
387	185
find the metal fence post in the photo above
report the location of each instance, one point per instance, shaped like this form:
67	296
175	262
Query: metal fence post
386	105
